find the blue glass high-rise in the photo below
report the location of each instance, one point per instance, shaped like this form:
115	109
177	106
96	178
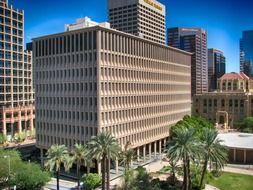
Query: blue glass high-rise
246	53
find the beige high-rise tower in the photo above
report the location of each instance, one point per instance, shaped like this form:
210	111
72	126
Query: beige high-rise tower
16	92
144	18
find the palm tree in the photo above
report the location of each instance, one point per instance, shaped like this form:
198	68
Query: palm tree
184	146
213	151
80	155
103	148
127	156
56	155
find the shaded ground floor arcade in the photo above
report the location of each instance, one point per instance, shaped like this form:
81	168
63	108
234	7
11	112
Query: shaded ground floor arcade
15	120
144	154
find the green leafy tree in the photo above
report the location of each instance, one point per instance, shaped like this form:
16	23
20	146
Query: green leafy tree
246	125
57	155
10	161
213	151
198	123
80	155
14	171
184	146
29	176
91	181
103	148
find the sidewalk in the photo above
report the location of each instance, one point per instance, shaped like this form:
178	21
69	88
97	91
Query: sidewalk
64	185
239	170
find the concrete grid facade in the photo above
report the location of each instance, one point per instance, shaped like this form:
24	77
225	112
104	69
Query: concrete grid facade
98	79
16	91
144	18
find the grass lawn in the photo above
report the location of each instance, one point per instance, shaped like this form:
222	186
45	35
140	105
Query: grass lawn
232	181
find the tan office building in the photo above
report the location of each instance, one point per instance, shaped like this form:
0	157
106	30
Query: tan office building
144	18
98	79
16	92
232	102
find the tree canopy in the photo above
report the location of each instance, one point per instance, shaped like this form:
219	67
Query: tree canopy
24	175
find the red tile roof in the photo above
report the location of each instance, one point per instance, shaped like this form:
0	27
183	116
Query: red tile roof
229	76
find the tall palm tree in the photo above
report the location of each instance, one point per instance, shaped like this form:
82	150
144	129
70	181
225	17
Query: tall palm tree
184	146
213	151
80	155
127	156
56	155
103	148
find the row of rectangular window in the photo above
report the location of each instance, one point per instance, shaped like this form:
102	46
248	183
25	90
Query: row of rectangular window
67	115
66	44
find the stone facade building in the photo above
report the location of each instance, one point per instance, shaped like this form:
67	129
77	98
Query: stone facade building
233	100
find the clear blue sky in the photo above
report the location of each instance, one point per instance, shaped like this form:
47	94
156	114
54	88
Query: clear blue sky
224	19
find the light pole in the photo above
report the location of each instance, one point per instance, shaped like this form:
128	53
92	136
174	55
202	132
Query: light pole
9	167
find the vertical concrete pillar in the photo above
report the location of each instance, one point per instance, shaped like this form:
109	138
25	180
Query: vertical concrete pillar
155	148
234	155
41	158
99	167
138	154
144	152
150	151
4	124
117	166
31	121
19	122
160	149
244	156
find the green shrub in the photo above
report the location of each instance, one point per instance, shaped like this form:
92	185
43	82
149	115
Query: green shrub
91	181
2	138
20	137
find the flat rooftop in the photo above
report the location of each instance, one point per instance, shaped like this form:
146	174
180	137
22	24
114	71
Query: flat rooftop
237	140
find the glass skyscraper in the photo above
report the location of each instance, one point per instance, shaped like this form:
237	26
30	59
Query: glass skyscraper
216	67
246	53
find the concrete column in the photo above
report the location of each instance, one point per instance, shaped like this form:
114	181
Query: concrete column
160	149
155	148
19	122
41	158
164	143
234	155
144	152
31	123
4	124
4	127
117	166
99	168
150	151
138	154
244	156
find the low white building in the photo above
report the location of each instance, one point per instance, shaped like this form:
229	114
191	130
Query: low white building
85	23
